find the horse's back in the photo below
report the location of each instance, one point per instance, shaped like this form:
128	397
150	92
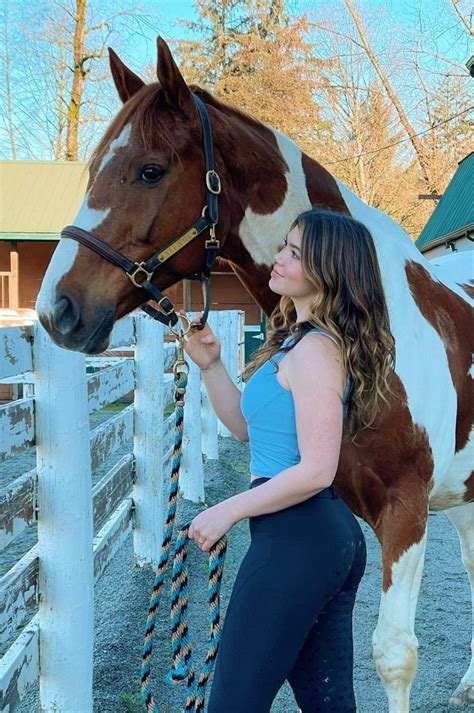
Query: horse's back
456	271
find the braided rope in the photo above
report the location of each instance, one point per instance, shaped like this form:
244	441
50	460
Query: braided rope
183	668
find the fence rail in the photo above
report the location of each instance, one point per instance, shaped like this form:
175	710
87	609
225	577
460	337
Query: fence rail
47	595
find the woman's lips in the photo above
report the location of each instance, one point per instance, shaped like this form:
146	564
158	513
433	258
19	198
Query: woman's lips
274	272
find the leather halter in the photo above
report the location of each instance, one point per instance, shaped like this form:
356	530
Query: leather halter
141	273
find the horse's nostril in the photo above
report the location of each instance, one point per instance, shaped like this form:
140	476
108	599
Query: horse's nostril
65	315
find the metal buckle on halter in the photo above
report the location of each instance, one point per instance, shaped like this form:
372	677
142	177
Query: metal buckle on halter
213	242
139	268
170	311
213	182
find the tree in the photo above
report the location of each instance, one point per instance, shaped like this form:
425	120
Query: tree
253	55
8	80
416	143
430	88
58	83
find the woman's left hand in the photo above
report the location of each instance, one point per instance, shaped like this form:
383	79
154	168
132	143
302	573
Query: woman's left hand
209	526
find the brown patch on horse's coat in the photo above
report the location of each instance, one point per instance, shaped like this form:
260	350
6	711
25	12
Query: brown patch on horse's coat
251	149
451	317
468	288
323	190
385	479
469	494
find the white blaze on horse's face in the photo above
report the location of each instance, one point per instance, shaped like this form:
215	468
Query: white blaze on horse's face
275	225
66	252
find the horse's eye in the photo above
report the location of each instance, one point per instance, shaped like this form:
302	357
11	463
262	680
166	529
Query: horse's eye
149	174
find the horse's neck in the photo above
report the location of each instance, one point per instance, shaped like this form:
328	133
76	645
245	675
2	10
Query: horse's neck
283	184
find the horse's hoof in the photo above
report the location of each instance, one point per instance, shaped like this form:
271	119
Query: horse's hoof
463	696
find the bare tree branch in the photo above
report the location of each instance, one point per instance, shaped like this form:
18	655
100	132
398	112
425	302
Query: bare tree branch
418	148
463	19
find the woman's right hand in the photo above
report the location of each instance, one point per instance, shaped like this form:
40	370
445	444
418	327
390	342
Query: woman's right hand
202	345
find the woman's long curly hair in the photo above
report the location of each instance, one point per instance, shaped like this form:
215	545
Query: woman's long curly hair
338	257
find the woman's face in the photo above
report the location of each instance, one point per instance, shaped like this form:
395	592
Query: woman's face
287	276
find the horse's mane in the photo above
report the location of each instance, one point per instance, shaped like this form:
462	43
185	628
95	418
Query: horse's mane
146	108
227	109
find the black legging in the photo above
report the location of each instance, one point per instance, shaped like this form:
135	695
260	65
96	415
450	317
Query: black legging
290	612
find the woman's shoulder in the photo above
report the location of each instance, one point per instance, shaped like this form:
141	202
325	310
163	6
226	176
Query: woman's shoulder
316	352
309	335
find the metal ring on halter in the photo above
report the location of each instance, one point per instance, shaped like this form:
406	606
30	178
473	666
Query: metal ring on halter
180	363
181	332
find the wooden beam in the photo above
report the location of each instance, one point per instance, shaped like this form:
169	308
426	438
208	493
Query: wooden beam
13	281
187	287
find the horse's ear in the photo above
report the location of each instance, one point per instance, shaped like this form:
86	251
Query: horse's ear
126	82
176	90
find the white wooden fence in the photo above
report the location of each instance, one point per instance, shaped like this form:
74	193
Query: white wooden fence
47	595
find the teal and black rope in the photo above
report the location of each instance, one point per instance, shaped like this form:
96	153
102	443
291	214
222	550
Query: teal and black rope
183	668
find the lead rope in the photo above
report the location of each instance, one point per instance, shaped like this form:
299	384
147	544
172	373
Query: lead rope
183	667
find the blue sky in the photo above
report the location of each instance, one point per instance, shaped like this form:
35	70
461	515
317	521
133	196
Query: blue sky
398	14
390	23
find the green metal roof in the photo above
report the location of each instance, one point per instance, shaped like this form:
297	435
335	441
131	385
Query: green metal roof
455	211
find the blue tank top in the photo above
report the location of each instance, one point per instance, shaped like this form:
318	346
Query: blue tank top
269	411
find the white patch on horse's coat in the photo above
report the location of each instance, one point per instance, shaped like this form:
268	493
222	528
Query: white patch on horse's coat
65	255
454	270
121	141
421	359
262	233
453	488
88	219
61	262
394	641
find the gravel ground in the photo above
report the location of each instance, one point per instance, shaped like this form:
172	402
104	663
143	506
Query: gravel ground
442	625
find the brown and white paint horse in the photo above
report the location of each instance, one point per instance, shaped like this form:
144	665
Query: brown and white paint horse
419	457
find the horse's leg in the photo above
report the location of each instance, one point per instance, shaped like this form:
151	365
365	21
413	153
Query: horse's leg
462	518
402	532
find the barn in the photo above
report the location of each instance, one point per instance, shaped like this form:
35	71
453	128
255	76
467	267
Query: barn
451	225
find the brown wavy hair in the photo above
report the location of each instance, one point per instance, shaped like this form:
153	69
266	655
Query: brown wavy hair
338	257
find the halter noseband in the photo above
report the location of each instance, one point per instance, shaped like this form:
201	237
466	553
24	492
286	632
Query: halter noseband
141	273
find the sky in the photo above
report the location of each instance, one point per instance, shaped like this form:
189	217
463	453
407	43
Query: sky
389	23
399	14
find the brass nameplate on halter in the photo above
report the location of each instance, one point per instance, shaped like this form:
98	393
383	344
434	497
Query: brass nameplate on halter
177	245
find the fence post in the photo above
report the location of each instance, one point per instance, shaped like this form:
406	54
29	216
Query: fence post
241	346
223	323
234	351
191	476
65	530
209	418
148	440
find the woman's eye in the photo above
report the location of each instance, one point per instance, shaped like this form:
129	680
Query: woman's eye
149	174
283	245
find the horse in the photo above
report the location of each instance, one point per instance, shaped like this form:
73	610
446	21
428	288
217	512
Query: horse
146	185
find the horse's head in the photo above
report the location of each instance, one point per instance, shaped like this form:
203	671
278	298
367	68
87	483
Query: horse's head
146	187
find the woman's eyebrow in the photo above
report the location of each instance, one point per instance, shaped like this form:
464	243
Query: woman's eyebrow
292	245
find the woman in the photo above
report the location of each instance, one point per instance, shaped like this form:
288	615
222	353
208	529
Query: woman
290	612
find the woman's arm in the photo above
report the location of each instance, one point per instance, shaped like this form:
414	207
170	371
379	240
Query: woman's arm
316	380
225	399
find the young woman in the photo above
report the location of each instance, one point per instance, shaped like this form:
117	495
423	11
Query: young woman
320	377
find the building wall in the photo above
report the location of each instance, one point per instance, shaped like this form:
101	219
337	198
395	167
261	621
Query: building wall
462	244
